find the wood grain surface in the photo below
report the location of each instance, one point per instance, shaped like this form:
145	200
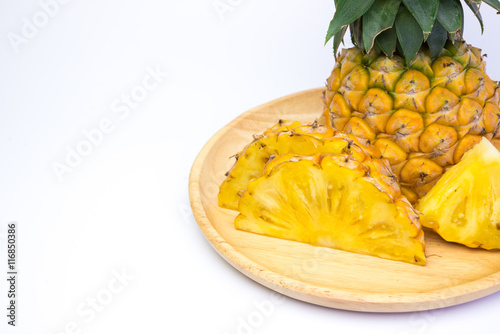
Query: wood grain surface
453	274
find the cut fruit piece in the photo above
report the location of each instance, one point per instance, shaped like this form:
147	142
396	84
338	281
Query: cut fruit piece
286	138
464	205
334	201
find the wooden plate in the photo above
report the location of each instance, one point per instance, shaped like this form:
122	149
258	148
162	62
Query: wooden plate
453	274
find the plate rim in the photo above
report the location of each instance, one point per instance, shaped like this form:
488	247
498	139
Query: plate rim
333	298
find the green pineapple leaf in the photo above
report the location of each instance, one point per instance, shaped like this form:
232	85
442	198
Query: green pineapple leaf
493	3
337	39
463	15
437	39
357	34
387	41
347	11
425	12
450	16
378	18
475	8
410	35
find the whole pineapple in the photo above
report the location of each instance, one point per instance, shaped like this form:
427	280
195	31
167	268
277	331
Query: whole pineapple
411	85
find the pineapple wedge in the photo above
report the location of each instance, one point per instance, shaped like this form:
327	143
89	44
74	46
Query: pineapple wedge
464	205
334	201
286	138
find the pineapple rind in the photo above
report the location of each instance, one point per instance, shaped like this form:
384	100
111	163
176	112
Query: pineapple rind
435	109
285	138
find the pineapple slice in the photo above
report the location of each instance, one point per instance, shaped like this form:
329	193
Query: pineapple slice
285	138
464	205
334	201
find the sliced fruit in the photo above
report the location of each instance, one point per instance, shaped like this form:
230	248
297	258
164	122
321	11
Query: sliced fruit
334	201
464	205
286	138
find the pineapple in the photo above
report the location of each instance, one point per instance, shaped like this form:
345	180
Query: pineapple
285	138
313	184
464	204
333	200
411	86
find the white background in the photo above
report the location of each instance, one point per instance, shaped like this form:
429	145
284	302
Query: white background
125	206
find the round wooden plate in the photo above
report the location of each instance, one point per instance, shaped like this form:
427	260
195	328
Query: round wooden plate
453	274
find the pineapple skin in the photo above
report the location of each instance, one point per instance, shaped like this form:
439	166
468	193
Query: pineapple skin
334	201
424	117
286	138
464	205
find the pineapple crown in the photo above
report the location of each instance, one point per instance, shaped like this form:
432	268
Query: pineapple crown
402	26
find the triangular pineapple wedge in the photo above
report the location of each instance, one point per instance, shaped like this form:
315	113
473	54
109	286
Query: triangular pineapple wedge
286	138
334	201
464	205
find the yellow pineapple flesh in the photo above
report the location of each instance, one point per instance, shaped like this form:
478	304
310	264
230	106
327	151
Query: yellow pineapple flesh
464	205
334	201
